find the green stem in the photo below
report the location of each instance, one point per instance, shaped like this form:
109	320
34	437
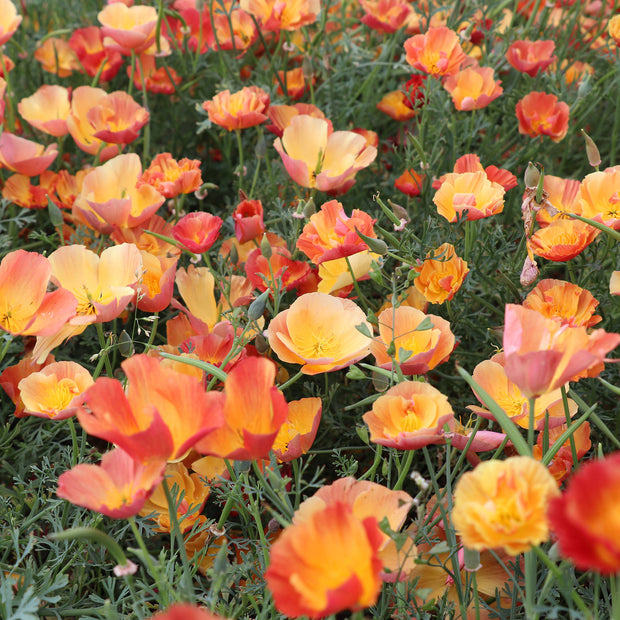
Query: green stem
74	443
104	349
406	466
240	151
531	422
530	582
146	147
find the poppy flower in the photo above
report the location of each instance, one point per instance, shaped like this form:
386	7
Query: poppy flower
541	114
171	177
87	43
24	156
248	220
274	16
47	109
531	57
438	52
385	16
156	285
562	240
117	118
185	611
598	197
9	20
441	275
297	434
277	271
197	231
128	29
410	182
240	110
396	105
56	56
473	88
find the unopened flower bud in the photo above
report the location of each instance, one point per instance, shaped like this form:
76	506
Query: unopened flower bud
265	247
594	157
125	345
472	560
309	208
257	307
532	176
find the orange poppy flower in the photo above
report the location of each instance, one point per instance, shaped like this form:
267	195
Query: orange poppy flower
9	20
598	197
232	30
504	504
438	52
396	105
239	110
171	177
562	239
294	81
471	193
441	274
87	43
274	16
197	288
386	16
540	114
116	118
47	109
419	341
327	563
408	416
20	191
563	194
277	271
163	80
531	57
117	488
24	156
297	434
248	220
56	56
185	611
197	231
473	88
471	163
156	285
319	332
410	182
161	416
129	29
613	28
281	115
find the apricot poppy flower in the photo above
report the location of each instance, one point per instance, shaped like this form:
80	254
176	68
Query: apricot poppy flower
320	332
245	108
332	234
161	416
396	105
598	197
438	52
116	118
47	109
274	16
171	177
473	88
471	193
253	409
327	563
197	231
117	488
441	275
281	116
156	286
9	20
531	56
336	276
248	220
110	197
87	43
542	355
471	163
12	375
24	156
504	504
562	240
317	158
566	302
541	114
129	29
563	194
26	308
277	271
56	391
297	434
197	288
584	518
419	341
57	57
408	416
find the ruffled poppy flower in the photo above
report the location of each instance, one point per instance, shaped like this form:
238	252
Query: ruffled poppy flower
418	342
9	20
87	43
317	158
24	156
327	563
562	240
473	88
531	57
117	488
441	274
438	52
297	434
197	231
47	109
408	416
56	391
471	163
129	29
171	177
503	504
541	114
244	108
332	234
584	517
320	332
57	57
274	16
471	193
598	197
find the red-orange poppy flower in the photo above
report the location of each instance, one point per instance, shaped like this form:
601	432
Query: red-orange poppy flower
277	271
245	108
117	118
437	52
396	105
161	416
473	88
24	156
87	43
185	611
20	191
274	16
248	220
117	488
531	57
171	177
163	80
541	114
471	163
410	182
156	285
294	82
197	231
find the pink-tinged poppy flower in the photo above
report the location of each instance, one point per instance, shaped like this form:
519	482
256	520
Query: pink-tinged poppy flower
171	177
332	234
473	88
531	56
274	16
599	199
197	231
26	308
47	109
469	193
562	240
563	194
240	110
163	80
254	410
117	118
161	416
9	20
490	375
438	52
566	302
584	518
419	342
460	436
408	416
471	163
248	220
320	332
503	504
233	30
541	114
131	29
142	238
185	611
117	488
57	57
410	182
56	391
156	285
441	275
24	156
83	100
386	16
542	355
110	196
294	82
87	43
277	271
297	434
317	158
20	191
281	116
327	563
